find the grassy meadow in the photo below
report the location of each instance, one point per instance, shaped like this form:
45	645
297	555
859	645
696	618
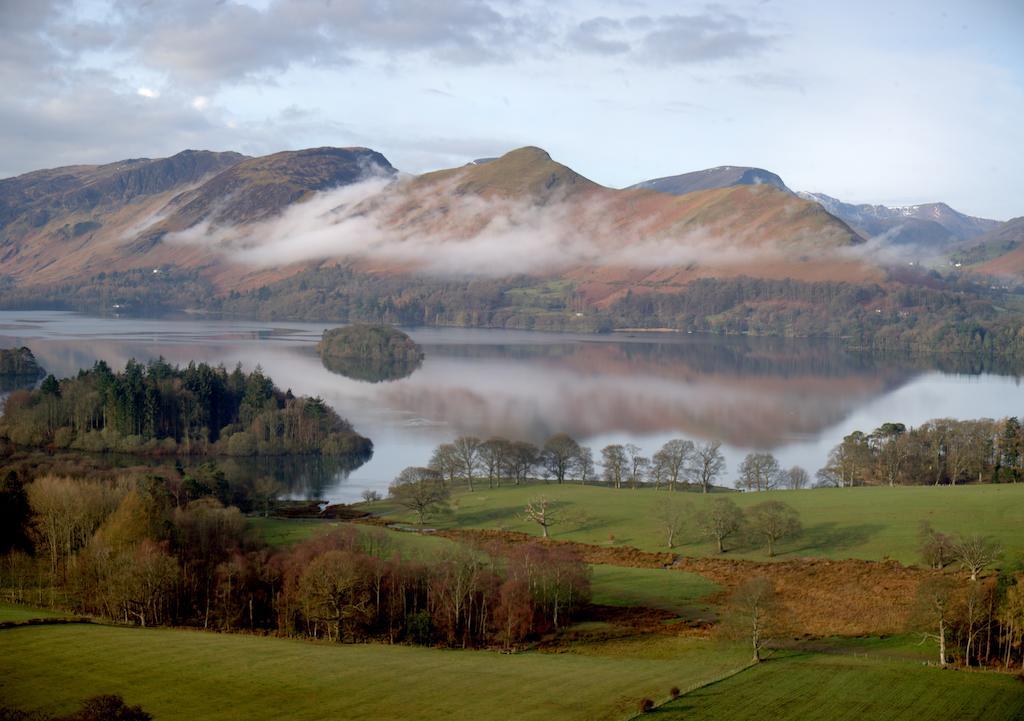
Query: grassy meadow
181	674
187	675
809	687
864	523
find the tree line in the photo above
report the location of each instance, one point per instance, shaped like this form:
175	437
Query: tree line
134	553
158	408
938	452
562	459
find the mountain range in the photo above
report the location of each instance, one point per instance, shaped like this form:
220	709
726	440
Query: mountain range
235	224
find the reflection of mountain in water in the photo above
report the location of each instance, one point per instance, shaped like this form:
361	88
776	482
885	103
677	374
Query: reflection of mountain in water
732	355
10	383
750	392
371	370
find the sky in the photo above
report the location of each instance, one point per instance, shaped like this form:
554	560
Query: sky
897	102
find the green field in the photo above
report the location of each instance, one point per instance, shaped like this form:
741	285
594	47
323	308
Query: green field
188	675
179	674
805	687
675	591
866	523
286	532
13	613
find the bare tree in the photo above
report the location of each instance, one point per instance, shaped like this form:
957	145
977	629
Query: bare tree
759	472
753	614
708	464
937	549
445	460
849	463
542	511
671	515
522	457
467	456
976	553
585	470
559	454
637	464
773	521
672	459
720	520
934	611
421	490
494	453
797	478
614	462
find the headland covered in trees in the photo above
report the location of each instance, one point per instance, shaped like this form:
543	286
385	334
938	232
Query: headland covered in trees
159	408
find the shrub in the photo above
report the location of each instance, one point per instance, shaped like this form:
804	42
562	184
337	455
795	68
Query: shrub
646	705
674	692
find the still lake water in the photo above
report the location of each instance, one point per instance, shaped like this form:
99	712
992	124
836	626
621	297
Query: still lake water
796	399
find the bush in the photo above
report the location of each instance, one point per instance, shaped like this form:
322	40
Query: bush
646	705
242	443
674	692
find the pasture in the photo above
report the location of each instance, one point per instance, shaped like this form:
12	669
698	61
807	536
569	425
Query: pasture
862	523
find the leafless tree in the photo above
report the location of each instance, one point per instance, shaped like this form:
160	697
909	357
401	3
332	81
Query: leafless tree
672	460
849	463
720	520
370	496
797	478
708	464
773	521
937	549
759	472
934	611
637	464
421	490
671	516
542	511
976	553
467	456
753	614
494	456
522	457
614	462
445	460
559	454
585	470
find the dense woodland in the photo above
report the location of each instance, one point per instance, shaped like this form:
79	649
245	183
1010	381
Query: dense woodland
134	553
920	314
159	408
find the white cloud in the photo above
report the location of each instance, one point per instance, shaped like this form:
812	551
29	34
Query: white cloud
148	93
200	102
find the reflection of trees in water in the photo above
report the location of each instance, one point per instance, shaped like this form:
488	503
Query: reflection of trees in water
10	383
741	356
300	476
372	370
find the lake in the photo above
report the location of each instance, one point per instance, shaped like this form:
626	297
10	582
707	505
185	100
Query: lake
794	398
